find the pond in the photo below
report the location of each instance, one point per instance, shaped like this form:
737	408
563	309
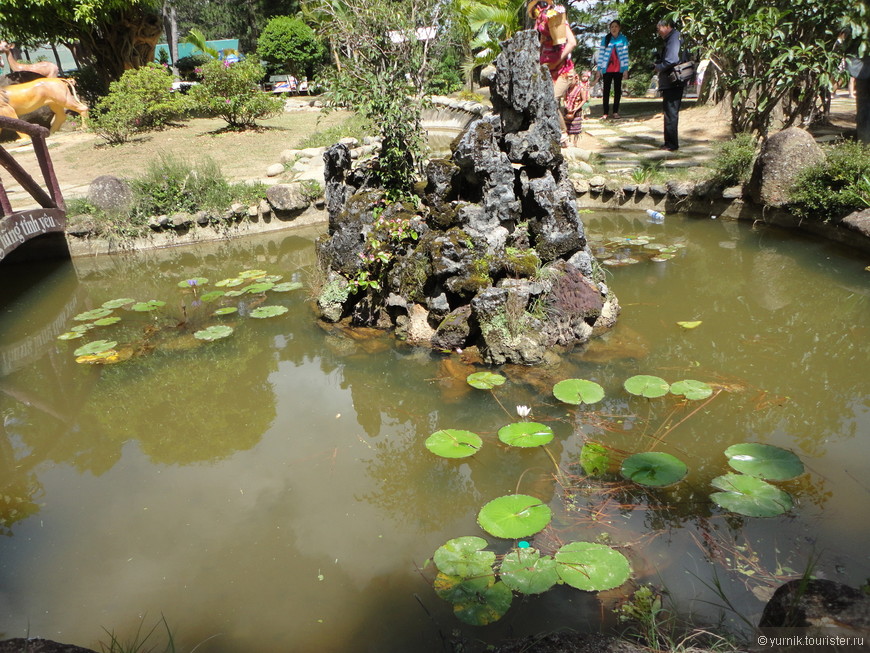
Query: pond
271	491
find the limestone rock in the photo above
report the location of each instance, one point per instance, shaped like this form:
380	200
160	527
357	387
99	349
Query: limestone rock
111	194
454	330
830	607
275	169
858	221
287	198
782	158
37	645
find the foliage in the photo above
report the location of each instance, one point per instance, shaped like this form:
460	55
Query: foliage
356	127
198	41
112	35
230	91
836	186
187	66
90	85
773	55
383	70
733	162
447	73
288	45
141	100
638	83
171	184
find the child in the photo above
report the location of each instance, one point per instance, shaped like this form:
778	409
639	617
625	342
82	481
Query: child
577	96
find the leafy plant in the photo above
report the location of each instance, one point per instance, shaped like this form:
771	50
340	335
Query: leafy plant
288	45
513	516
835	187
732	164
139	101
230	91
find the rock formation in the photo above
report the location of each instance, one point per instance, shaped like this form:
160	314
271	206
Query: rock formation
491	254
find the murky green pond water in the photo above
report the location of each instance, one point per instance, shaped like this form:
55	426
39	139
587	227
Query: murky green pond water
270	492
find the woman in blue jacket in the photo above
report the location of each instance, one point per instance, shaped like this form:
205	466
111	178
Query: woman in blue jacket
613	66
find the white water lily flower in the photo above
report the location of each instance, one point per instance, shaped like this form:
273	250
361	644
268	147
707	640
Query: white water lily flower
523	411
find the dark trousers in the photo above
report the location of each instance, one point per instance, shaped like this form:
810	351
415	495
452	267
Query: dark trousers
616	80
672	98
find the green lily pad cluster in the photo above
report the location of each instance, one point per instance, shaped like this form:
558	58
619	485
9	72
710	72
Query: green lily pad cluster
247	282
615	251
481	587
749	492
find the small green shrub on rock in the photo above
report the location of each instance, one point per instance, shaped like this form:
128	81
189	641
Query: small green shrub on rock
230	91
733	162
837	186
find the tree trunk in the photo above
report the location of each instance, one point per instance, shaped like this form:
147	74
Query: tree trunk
124	40
170	28
862	115
57	58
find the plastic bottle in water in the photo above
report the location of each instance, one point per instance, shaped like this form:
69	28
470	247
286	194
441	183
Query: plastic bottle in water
655	216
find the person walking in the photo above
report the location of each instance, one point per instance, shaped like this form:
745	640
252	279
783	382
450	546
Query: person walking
613	67
557	42
671	90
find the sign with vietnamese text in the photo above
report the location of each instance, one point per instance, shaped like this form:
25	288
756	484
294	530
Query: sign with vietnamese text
20	227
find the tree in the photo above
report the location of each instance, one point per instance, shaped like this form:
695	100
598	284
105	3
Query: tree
111	35
385	51
288	45
773	57
228	19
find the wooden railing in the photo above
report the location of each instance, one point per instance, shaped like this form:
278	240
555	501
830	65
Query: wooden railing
17	227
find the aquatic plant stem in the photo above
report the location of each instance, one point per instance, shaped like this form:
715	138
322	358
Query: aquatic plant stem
658	440
494	396
560	475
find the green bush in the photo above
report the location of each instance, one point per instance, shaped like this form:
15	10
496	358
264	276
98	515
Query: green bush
170	185
835	187
90	85
732	164
187	66
637	84
288	45
141	100
230	91
447	74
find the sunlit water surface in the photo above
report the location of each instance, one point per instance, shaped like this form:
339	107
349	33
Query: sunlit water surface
270	492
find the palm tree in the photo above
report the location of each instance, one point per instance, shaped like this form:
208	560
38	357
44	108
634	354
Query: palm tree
488	23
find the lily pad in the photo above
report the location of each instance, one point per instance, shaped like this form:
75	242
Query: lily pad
226	310
82	328
234	293
150	305
514	515
464	557
459	589
287	286
252	274
594	459
653	468
527	571
95	347
106	321
118	303
525	434
212	295
661	258
750	496
230	283
215	332
644	385
192	283
691	389
94	314
260	287
765	461
453	443
268	311
70	335
484	380
486	607
274	278
578	391
690	325
592	567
